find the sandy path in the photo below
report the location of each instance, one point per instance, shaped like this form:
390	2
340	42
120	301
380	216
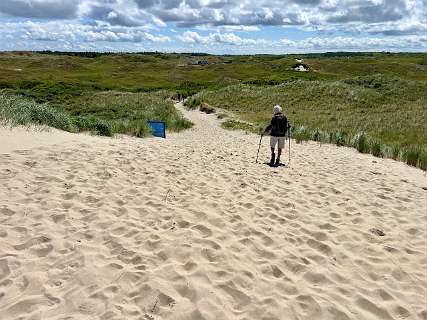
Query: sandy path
191	228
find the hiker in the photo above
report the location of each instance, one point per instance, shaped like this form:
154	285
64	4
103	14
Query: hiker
277	128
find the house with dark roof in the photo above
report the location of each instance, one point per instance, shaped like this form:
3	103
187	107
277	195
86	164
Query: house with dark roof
301	67
199	63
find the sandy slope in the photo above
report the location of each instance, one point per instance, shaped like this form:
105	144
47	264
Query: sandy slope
191	228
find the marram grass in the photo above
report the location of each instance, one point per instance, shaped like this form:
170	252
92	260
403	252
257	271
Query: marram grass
102	114
378	114
361	141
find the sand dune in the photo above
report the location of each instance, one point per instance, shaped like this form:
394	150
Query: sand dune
191	228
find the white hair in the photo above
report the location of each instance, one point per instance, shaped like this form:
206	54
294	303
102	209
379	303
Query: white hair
277	109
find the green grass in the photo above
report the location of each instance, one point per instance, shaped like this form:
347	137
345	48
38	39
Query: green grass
19	111
129	112
375	102
16	111
58	78
233	124
375	114
103	114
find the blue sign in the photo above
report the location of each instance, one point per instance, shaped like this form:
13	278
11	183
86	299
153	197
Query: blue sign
158	128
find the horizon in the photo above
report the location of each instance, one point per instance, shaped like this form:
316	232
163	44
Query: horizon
197	53
217	27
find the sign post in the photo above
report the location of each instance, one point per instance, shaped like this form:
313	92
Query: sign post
158	128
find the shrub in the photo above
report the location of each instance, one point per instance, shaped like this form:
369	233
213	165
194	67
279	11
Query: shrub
376	148
411	155
301	133
94	125
180	124
422	161
338	137
316	135
102	128
193	102
207	108
140	129
395	152
361	143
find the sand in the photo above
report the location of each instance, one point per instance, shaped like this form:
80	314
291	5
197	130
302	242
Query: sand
191	228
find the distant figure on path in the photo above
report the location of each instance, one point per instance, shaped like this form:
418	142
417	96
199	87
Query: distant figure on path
277	128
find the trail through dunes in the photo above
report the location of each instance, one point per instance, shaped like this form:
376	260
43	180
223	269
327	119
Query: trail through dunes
189	227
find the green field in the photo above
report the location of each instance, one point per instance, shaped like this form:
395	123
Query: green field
376	102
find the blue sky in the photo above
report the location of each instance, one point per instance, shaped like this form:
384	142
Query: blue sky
214	26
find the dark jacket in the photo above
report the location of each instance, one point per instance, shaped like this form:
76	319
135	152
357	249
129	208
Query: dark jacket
278	125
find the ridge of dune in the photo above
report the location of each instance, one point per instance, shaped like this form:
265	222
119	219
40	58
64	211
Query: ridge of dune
189	227
30	137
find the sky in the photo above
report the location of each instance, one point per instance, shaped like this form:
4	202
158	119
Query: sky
214	26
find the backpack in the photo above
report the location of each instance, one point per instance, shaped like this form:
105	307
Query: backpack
279	125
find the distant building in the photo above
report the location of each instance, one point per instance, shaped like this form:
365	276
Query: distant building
199	63
302	67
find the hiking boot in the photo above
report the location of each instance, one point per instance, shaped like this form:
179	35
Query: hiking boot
273	157
277	162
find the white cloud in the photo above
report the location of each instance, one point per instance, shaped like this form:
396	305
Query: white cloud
217	38
227	13
314	44
192	37
355	44
56	31
239	28
220	24
41	9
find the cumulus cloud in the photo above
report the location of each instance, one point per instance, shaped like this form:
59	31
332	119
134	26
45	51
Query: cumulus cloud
395	29
41	9
192	13
373	11
354	44
308	44
221	23
218	38
55	31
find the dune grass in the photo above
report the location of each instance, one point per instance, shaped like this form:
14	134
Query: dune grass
61	77
411	155
375	102
129	112
101	114
234	124
382	115
20	111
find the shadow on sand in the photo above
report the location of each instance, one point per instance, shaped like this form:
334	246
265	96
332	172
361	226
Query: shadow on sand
275	166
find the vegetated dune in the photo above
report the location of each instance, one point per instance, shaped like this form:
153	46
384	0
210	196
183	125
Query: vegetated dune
191	228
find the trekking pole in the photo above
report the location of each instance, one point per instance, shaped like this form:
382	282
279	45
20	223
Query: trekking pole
259	147
289	137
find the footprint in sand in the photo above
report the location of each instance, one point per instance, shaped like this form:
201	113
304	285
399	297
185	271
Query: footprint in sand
7	212
373	309
308	306
423	315
40	246
240	298
4	269
319	246
206	232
